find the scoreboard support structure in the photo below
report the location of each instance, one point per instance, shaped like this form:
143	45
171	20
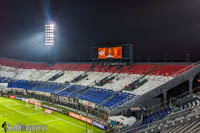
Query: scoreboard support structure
131	51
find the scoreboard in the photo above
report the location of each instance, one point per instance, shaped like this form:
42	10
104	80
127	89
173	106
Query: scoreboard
110	53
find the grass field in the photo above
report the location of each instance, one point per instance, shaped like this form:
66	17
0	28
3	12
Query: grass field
15	112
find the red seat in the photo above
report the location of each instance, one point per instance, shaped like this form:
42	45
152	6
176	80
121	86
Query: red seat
164	70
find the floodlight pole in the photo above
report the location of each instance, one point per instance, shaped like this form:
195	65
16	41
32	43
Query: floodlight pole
49	54
92	127
165	57
86	119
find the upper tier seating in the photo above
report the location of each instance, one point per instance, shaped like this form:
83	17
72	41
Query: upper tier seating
150	85
163	70
92	77
137	69
105	68
122	78
169	70
42	66
68	76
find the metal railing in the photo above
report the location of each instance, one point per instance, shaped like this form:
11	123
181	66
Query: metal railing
172	116
187	68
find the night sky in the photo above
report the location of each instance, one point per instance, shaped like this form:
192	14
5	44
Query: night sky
155	27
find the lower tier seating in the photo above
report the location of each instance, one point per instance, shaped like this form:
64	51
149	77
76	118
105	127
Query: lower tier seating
93	94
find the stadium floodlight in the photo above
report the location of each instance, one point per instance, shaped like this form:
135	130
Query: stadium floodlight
49	34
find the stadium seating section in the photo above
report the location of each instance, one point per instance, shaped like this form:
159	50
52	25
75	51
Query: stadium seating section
58	77
172	119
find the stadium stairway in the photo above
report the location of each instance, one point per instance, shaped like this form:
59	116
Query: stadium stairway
141	80
189	107
35	87
62	86
70	90
79	92
83	75
110	77
62	89
80	77
192	126
184	120
143	76
159	87
58	75
188	127
48	87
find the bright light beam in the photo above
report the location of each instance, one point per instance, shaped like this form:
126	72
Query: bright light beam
50	34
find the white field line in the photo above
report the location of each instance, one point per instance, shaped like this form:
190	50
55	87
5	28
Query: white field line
13	105
15	110
34	113
67	121
42	122
23	112
57	118
9	100
20	111
9	106
52	125
42	112
90	131
16	104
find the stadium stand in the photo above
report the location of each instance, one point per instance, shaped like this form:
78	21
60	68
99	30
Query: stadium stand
118	82
164	70
180	117
96	95
141	78
111	90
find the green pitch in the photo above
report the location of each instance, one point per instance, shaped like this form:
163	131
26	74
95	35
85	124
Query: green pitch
15	112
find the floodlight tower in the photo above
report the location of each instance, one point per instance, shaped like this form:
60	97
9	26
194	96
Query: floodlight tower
50	39
49	34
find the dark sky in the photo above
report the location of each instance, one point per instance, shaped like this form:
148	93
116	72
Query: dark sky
155	27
